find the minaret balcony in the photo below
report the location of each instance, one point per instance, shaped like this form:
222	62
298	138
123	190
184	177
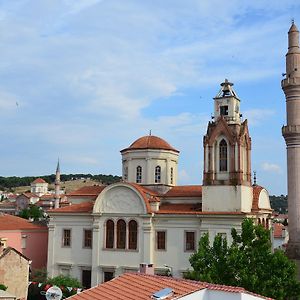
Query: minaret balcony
291	134
290	81
290	129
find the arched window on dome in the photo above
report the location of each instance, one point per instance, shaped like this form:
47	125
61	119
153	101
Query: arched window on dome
110	234
171	176
157	174
223	156
133	232
138	174
121	234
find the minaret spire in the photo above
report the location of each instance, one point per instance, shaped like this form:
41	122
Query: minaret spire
57	185
291	134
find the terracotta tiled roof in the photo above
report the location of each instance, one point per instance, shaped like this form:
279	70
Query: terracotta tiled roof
8	222
134	286
150	142
256	191
47	196
84	207
91	190
28	195
39	180
185	191
278	229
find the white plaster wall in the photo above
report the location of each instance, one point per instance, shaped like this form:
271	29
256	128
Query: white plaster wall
227	198
264	200
74	257
175	255
39	188
148	160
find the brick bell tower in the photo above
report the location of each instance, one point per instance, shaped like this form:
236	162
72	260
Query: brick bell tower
227	156
291	134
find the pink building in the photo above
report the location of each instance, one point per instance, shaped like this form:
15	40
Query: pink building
30	239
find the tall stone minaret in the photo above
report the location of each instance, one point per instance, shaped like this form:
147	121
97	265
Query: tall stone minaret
291	134
57	186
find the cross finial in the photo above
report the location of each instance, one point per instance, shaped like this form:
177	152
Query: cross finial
293	21
150	132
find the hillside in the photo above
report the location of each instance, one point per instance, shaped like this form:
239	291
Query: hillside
68	181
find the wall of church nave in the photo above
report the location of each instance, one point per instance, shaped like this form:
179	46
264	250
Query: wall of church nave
67	244
181	239
220	225
227	198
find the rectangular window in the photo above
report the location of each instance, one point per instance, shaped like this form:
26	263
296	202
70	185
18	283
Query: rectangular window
87	239
108	276
66	242
189	241
161	240
224	110
23	241
86	277
223	235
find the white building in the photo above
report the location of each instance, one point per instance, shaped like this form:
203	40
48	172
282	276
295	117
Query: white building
148	217
39	187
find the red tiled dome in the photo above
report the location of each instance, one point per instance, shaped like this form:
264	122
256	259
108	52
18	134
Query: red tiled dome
39	180
150	142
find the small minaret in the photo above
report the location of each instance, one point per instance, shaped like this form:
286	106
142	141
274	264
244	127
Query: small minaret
291	134
57	186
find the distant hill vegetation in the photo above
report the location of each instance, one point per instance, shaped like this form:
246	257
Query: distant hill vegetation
10	183
279	204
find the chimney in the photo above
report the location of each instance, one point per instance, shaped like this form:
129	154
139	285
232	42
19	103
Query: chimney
147	269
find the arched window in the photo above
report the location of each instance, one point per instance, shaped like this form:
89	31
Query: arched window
138	174
110	234
157	174
171	176
223	155
132	235
121	234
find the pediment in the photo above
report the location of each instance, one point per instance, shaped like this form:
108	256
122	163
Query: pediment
120	198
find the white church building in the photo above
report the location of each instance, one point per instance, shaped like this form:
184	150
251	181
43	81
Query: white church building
148	218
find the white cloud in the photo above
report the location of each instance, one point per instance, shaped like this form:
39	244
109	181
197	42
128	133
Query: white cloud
270	167
257	116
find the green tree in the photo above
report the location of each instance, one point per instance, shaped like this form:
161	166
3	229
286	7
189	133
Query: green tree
32	211
3	287
248	262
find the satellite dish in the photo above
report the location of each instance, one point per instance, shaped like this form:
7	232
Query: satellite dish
54	293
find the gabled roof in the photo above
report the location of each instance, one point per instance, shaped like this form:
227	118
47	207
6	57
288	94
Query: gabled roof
28	195
278	230
150	142
136	286
84	207
9	249
9	222
39	180
185	191
91	190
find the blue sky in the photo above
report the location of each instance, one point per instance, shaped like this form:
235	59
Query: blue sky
83	79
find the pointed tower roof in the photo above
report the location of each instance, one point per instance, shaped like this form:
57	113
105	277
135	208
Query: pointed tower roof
293	27
57	167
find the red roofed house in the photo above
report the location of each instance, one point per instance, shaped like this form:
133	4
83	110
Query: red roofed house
144	287
148	217
28	238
